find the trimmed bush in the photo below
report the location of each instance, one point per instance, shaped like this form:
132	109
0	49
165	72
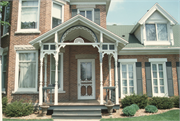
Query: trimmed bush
4	103
151	109
135	106
141	101
129	111
161	102
176	101
18	108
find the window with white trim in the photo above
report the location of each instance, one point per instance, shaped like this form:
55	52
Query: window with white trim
29	15
156	32
128	77
159	79
6	19
57	14
87	13
26	71
60	71
4	69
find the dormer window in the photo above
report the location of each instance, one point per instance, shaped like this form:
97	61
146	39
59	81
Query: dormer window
156	32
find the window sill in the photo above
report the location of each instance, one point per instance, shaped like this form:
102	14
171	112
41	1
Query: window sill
157	43
4	35
28	32
23	92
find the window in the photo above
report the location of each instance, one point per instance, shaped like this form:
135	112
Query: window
4	67
29	15
87	13
128	76
108	47
6	19
57	14
27	66
156	32
60	71
158	73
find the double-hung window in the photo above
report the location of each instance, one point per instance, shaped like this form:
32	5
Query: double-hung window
158	74
87	13
29	15
156	32
6	19
26	71
60	71
4	67
57	14
128	76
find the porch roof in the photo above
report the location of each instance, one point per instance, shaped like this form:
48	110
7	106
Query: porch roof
79	20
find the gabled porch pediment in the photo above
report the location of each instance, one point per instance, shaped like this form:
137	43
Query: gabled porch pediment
78	26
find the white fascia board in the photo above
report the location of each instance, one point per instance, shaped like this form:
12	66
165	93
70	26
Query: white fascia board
73	20
149	51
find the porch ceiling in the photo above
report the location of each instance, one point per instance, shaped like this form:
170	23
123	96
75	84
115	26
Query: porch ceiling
79	20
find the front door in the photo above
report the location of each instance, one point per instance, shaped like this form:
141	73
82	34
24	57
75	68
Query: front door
86	79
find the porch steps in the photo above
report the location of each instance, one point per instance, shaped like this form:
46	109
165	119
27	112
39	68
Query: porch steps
77	112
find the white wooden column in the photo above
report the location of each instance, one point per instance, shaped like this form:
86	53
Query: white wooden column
1	51
116	80
110	81
101	69
45	78
56	81
56	56
41	81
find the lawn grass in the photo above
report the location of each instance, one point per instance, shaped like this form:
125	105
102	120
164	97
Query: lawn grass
27	119
167	116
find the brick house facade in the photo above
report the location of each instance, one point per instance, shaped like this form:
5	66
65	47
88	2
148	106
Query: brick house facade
115	57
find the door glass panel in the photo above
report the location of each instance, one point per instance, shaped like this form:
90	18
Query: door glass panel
83	71
89	71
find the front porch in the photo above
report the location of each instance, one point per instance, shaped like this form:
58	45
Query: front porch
79	53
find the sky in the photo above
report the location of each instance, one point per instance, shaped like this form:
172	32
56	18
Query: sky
129	12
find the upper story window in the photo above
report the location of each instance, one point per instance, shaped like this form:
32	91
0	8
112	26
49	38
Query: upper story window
4	67
6	19
92	14
57	14
87	13
156	32
29	15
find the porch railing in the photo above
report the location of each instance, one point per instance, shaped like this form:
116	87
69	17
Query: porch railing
112	90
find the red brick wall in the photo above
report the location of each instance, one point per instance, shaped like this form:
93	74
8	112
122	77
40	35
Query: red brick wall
144	58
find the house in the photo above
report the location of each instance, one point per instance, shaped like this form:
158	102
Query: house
66	46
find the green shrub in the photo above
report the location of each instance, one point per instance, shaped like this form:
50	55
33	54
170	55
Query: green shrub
161	102
4	103
151	109
18	108
129	111
176	101
135	106
141	101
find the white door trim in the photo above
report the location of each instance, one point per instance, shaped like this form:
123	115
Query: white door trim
93	79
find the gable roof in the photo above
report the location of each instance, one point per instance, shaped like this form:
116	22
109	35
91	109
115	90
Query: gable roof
76	20
158	8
